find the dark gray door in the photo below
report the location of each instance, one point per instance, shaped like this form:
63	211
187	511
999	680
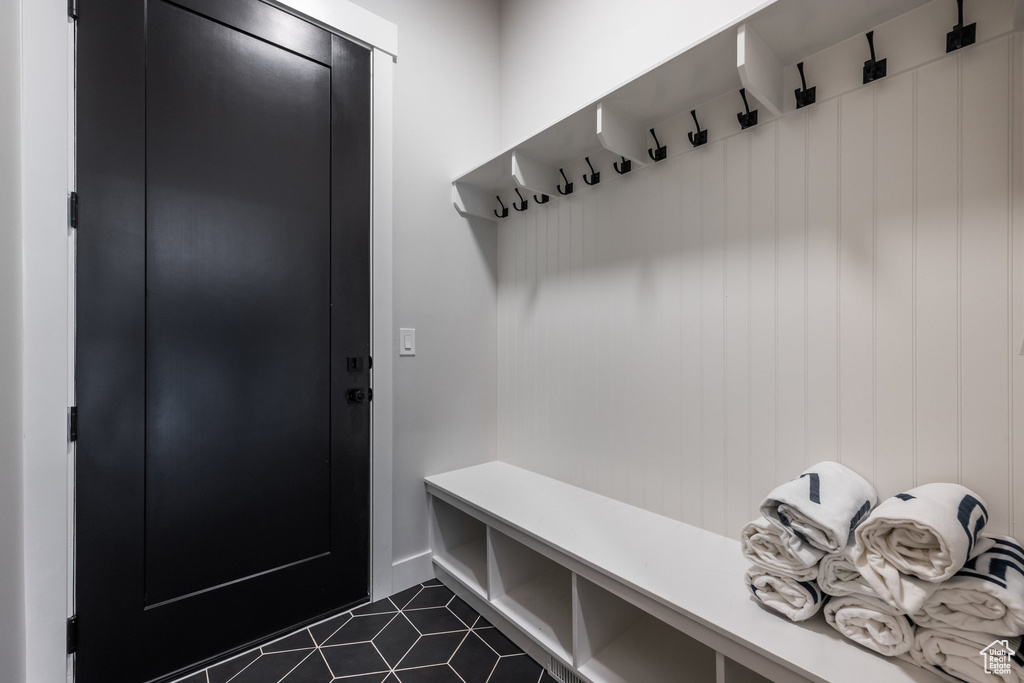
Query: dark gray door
223	330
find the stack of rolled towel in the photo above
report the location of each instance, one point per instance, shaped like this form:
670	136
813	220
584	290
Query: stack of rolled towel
913	577
803	521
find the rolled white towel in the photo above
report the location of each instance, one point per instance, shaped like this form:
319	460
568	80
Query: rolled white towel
793	599
872	622
838	576
778	551
822	505
915	540
965	656
986	595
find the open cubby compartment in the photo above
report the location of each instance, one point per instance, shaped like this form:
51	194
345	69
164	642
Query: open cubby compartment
532	591
460	545
733	672
617	642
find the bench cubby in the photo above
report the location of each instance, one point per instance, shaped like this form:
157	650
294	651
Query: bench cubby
617	642
460	545
532	591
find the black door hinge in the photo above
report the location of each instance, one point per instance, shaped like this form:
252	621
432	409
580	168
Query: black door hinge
73	210
73	9
370	362
72	634
73	423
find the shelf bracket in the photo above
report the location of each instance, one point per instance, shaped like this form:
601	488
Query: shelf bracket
759	68
621	135
472	201
534	175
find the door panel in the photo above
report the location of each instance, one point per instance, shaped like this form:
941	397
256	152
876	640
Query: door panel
238	305
223	283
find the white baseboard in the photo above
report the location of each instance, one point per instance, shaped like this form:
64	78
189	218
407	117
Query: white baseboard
411	570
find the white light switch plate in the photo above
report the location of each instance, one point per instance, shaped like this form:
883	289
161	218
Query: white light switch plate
406	341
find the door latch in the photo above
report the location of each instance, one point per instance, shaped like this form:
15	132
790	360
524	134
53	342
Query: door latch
360	395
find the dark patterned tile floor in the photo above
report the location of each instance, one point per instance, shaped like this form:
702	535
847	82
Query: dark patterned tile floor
422	635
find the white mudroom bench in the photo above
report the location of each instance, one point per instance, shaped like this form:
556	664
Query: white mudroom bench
604	592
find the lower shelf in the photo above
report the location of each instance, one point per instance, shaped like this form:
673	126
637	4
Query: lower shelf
542	607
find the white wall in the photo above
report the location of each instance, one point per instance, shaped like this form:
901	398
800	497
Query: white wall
12	595
841	283
446	118
558	55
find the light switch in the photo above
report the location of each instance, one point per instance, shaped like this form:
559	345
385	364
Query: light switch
406	341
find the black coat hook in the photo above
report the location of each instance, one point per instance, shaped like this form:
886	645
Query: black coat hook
960	36
701	136
504	209
595	177
568	185
660	151
626	167
804	95
544	199
747	118
523	204
873	70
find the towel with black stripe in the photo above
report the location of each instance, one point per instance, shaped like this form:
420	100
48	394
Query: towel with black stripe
822	506
986	595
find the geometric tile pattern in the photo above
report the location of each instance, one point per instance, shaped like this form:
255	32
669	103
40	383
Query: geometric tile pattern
422	635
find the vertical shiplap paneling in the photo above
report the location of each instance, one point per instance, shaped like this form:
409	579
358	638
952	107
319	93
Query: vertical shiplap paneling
689	339
629	350
612	423
616	418
856	280
554	298
619	414
547	287
565	446
1016	313
792	287
894	285
739	508
578	346
670	388
712	326
540	367
590	339
502	294
937	287
842	282
652	292
511	260
518	226
822	281
763	350
984	395
531	449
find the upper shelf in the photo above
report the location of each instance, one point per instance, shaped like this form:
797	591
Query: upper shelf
749	52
